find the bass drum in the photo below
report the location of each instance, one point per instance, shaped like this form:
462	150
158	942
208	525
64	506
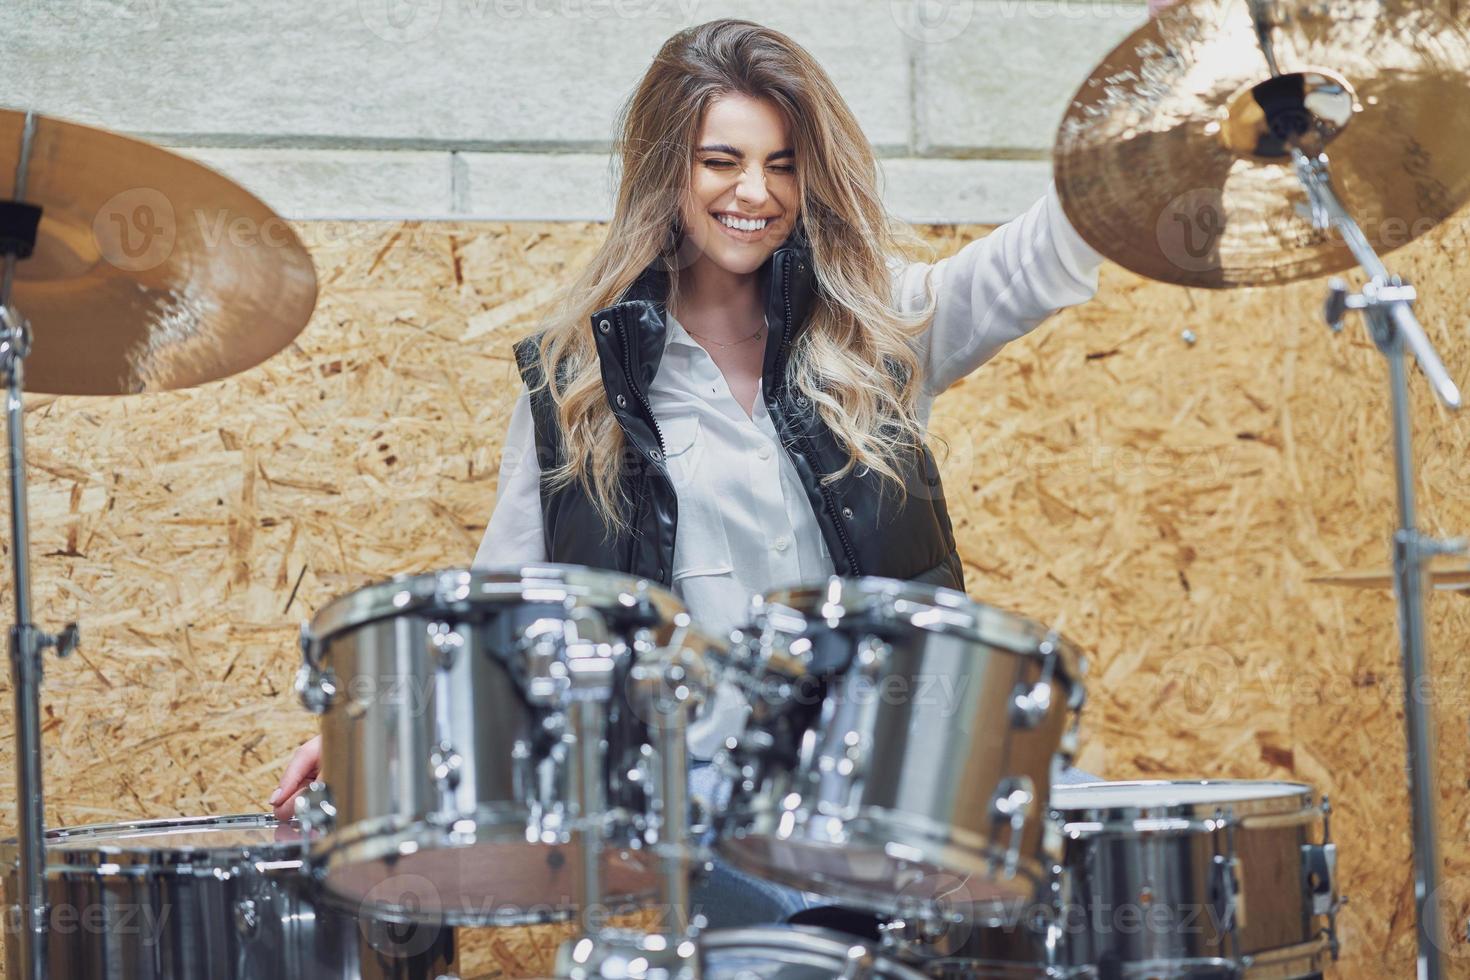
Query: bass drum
219	897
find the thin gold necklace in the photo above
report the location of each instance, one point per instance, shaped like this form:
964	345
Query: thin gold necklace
734	343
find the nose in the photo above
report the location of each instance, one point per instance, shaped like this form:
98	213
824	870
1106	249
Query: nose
751	191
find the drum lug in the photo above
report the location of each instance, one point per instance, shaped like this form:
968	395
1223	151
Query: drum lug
1228	891
315	687
447	642
315	810
1011	803
247	918
446	765
859	963
1319	870
1030	704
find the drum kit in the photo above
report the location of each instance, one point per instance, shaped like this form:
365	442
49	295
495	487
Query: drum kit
507	746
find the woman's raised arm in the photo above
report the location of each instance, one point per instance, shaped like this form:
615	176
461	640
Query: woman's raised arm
997	288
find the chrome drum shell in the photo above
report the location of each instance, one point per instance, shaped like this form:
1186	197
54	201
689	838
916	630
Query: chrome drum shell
900	748
1197	878
450	769
220	897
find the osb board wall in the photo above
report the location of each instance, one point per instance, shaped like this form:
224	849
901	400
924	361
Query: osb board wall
1164	504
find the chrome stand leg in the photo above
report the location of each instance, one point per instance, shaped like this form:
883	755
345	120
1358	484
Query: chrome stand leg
1386	302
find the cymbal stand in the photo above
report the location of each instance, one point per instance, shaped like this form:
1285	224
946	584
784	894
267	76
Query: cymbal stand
18	225
1386	301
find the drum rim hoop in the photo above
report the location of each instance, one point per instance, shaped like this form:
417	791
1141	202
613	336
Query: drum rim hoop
139	858
959	615
1080	819
420	592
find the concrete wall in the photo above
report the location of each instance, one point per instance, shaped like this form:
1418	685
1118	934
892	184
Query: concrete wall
503	109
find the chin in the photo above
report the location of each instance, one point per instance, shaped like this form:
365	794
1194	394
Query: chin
742	261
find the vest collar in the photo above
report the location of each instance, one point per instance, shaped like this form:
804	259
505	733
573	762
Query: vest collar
637	324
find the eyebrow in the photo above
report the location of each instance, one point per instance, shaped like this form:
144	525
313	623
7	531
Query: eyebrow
786	154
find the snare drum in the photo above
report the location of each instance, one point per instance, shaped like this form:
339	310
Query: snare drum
217	897
1197	879
478	746
901	738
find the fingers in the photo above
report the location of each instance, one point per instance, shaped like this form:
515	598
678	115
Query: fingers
305	765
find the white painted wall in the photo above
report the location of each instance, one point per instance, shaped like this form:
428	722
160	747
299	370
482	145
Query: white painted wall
503	109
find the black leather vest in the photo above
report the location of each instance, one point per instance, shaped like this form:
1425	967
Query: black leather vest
868	529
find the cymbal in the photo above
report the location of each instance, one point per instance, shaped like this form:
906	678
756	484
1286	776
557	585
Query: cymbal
150	271
1166	161
1448	577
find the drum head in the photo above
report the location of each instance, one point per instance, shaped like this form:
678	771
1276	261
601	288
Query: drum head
464	593
1184	797
793	953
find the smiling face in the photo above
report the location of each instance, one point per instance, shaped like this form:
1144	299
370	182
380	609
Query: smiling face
742	200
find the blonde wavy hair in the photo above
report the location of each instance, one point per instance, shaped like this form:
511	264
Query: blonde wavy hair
855	360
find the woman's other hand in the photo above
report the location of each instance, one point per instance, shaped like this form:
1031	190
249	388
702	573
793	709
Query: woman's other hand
304	766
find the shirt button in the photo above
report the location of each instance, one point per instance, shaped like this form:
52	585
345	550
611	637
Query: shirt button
782	543
764	452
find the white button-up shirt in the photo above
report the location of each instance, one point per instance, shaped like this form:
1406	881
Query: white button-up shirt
745	523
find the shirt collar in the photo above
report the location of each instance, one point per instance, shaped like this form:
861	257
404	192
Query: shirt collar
676	335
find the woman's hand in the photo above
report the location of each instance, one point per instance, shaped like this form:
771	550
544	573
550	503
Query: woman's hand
304	766
1156	7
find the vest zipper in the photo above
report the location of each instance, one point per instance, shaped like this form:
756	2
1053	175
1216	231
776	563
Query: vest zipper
828	499
658	433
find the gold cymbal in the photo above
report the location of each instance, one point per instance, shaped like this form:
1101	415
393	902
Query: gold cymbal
150	271
1447	576
1166	164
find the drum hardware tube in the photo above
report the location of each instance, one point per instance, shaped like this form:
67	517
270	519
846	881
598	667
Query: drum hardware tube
27	643
1386	303
664	687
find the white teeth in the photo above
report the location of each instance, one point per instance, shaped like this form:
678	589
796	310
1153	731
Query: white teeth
742	224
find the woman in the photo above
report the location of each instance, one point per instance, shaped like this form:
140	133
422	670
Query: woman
733	394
